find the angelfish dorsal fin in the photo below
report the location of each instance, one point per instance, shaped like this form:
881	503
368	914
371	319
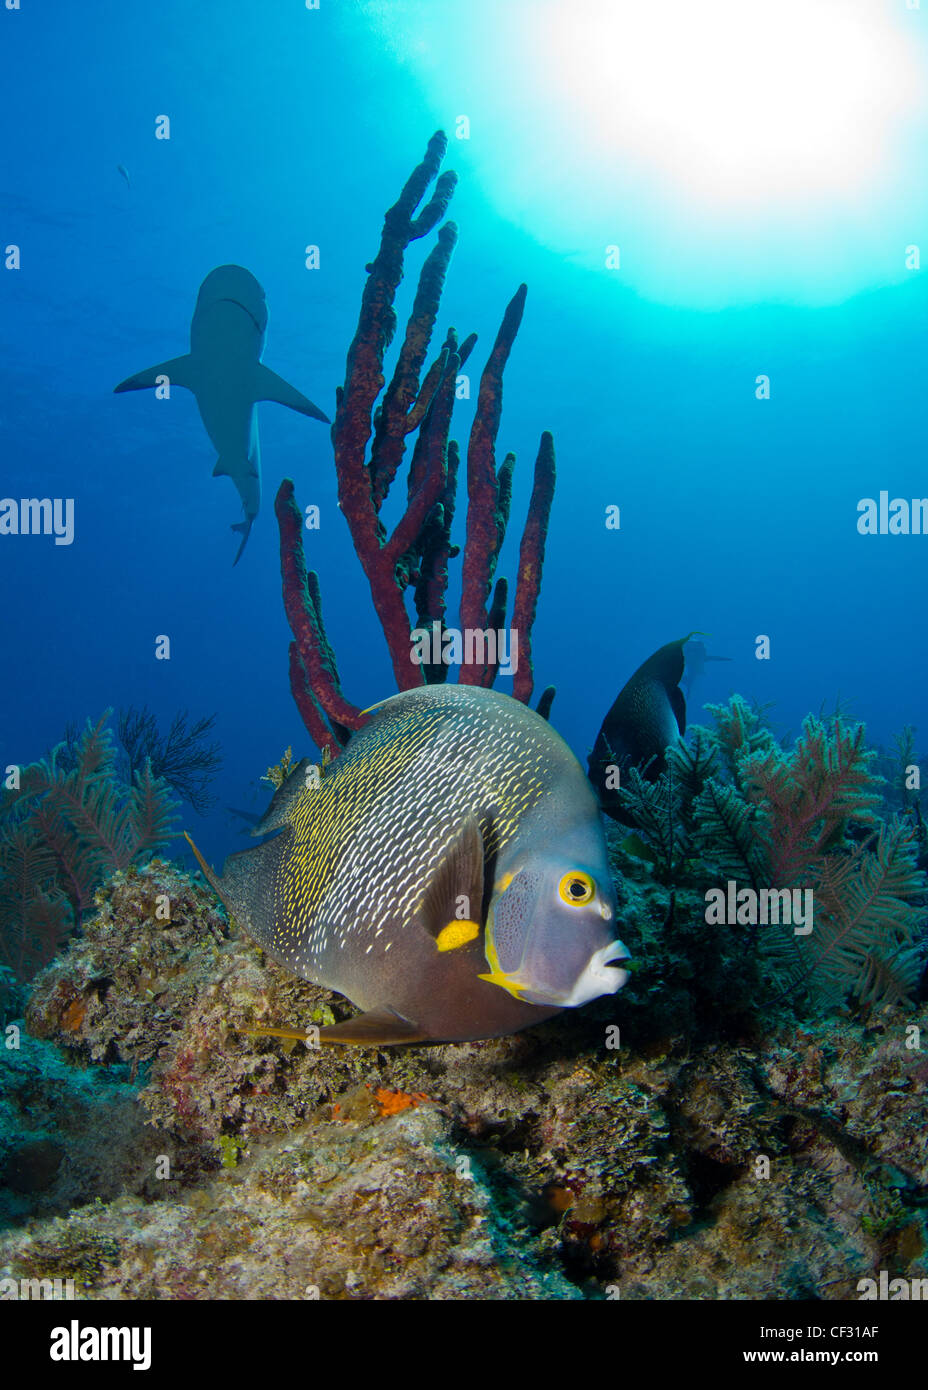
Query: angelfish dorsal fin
455	890
666	664
283	802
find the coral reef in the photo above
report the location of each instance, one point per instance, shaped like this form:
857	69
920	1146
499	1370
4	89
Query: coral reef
65	822
345	1208
417	551
69	1135
733	805
685	1162
901	771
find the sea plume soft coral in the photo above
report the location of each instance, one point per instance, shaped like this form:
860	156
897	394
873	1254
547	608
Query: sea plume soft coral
740	728
809	795
69	823
867	937
805	816
182	757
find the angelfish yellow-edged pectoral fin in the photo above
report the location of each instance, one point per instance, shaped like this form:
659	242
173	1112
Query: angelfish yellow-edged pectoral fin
507	982
457	933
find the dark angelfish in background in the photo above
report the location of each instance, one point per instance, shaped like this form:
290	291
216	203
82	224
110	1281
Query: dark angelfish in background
648	715
224	371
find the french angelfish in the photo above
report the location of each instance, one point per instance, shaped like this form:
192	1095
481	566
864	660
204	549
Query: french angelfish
648	715
224	371
447	873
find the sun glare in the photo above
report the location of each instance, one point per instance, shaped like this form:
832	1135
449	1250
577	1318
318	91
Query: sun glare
736	101
734	150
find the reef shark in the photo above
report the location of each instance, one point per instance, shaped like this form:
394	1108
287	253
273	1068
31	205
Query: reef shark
697	657
224	371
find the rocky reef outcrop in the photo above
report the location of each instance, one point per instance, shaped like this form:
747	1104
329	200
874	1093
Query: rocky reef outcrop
161	1146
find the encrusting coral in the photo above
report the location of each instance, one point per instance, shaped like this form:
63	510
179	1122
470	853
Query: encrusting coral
552	1164
417	551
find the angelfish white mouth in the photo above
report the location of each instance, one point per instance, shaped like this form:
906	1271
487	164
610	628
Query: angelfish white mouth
600	976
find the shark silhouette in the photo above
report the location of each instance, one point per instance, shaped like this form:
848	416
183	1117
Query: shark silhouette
224	371
697	657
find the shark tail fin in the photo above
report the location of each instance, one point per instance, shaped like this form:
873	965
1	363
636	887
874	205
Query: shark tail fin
244	529
271	387
180	371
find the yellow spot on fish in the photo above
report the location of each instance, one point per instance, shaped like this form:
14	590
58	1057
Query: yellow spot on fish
507	982
457	933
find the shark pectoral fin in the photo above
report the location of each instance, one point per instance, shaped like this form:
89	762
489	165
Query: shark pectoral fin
380	1026
180	371
271	387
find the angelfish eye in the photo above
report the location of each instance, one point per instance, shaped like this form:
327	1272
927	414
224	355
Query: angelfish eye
576	888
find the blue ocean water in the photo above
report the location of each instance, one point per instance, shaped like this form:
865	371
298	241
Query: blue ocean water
293	126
